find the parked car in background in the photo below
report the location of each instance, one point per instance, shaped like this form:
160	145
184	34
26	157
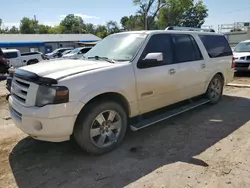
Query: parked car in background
4	63
17	59
121	80
77	53
57	53
9	78
241	54
66	52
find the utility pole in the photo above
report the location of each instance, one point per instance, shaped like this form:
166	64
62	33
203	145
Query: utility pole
35	25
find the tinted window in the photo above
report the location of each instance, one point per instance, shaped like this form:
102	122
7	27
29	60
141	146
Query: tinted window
10	55
216	46
185	49
85	50
160	43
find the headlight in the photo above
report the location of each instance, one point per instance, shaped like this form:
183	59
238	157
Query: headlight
51	95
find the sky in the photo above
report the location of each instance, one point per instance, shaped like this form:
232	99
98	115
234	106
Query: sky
50	12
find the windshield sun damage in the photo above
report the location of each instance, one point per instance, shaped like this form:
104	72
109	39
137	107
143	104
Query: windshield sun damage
242	47
118	47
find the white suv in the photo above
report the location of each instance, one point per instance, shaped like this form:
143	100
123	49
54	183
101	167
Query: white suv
122	78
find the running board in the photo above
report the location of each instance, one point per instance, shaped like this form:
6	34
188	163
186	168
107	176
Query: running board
168	114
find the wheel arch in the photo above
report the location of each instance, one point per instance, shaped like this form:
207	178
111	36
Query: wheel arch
218	73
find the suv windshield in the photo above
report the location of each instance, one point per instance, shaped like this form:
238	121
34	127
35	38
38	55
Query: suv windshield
242	47
118	47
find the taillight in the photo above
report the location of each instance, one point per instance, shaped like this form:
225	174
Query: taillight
233	63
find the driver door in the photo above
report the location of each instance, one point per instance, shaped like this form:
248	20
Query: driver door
157	84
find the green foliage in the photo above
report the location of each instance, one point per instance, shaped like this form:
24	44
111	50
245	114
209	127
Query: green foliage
182	13
28	26
72	24
13	30
150	15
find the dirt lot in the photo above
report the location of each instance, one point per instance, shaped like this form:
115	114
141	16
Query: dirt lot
208	147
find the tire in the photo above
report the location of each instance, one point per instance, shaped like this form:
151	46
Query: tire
215	89
32	62
95	138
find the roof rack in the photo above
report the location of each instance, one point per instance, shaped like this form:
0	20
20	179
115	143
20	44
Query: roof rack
189	29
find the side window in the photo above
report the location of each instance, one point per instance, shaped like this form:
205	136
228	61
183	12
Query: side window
159	43
185	49
85	50
216	45
11	55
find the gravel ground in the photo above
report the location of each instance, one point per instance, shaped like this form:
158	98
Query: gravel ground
208	147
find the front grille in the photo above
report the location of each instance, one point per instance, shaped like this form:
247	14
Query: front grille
15	113
242	65
19	89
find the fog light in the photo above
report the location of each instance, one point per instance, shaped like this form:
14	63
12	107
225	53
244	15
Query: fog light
38	126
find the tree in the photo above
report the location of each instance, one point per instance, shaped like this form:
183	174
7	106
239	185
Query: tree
182	13
195	15
112	27
101	31
43	29
14	30
149	8
28	26
90	28
132	23
72	24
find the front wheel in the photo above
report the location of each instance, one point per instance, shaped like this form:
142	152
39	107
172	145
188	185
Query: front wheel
101	127
215	89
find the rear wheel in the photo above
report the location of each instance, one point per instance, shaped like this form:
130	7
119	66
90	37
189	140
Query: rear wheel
31	62
215	89
101	127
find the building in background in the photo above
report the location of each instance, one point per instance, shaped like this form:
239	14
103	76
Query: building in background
235	32
237	36
44	43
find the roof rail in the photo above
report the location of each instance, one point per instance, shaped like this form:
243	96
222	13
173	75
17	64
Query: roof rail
189	29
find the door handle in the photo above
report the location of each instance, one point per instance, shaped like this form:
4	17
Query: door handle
24	61
203	66
171	71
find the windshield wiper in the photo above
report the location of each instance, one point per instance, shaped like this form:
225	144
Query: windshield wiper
102	58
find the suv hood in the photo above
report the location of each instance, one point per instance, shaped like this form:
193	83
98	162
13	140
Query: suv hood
241	54
57	69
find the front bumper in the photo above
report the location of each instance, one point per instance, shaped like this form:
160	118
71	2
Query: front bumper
242	66
52	123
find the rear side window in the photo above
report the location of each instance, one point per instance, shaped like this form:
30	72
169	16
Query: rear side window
10	55
186	49
216	46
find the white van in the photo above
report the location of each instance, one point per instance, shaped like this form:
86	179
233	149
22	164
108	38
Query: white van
122	78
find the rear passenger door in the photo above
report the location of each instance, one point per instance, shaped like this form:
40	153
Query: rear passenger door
219	56
192	66
157	84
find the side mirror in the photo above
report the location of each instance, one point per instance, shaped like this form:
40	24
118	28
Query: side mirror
151	60
154	57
